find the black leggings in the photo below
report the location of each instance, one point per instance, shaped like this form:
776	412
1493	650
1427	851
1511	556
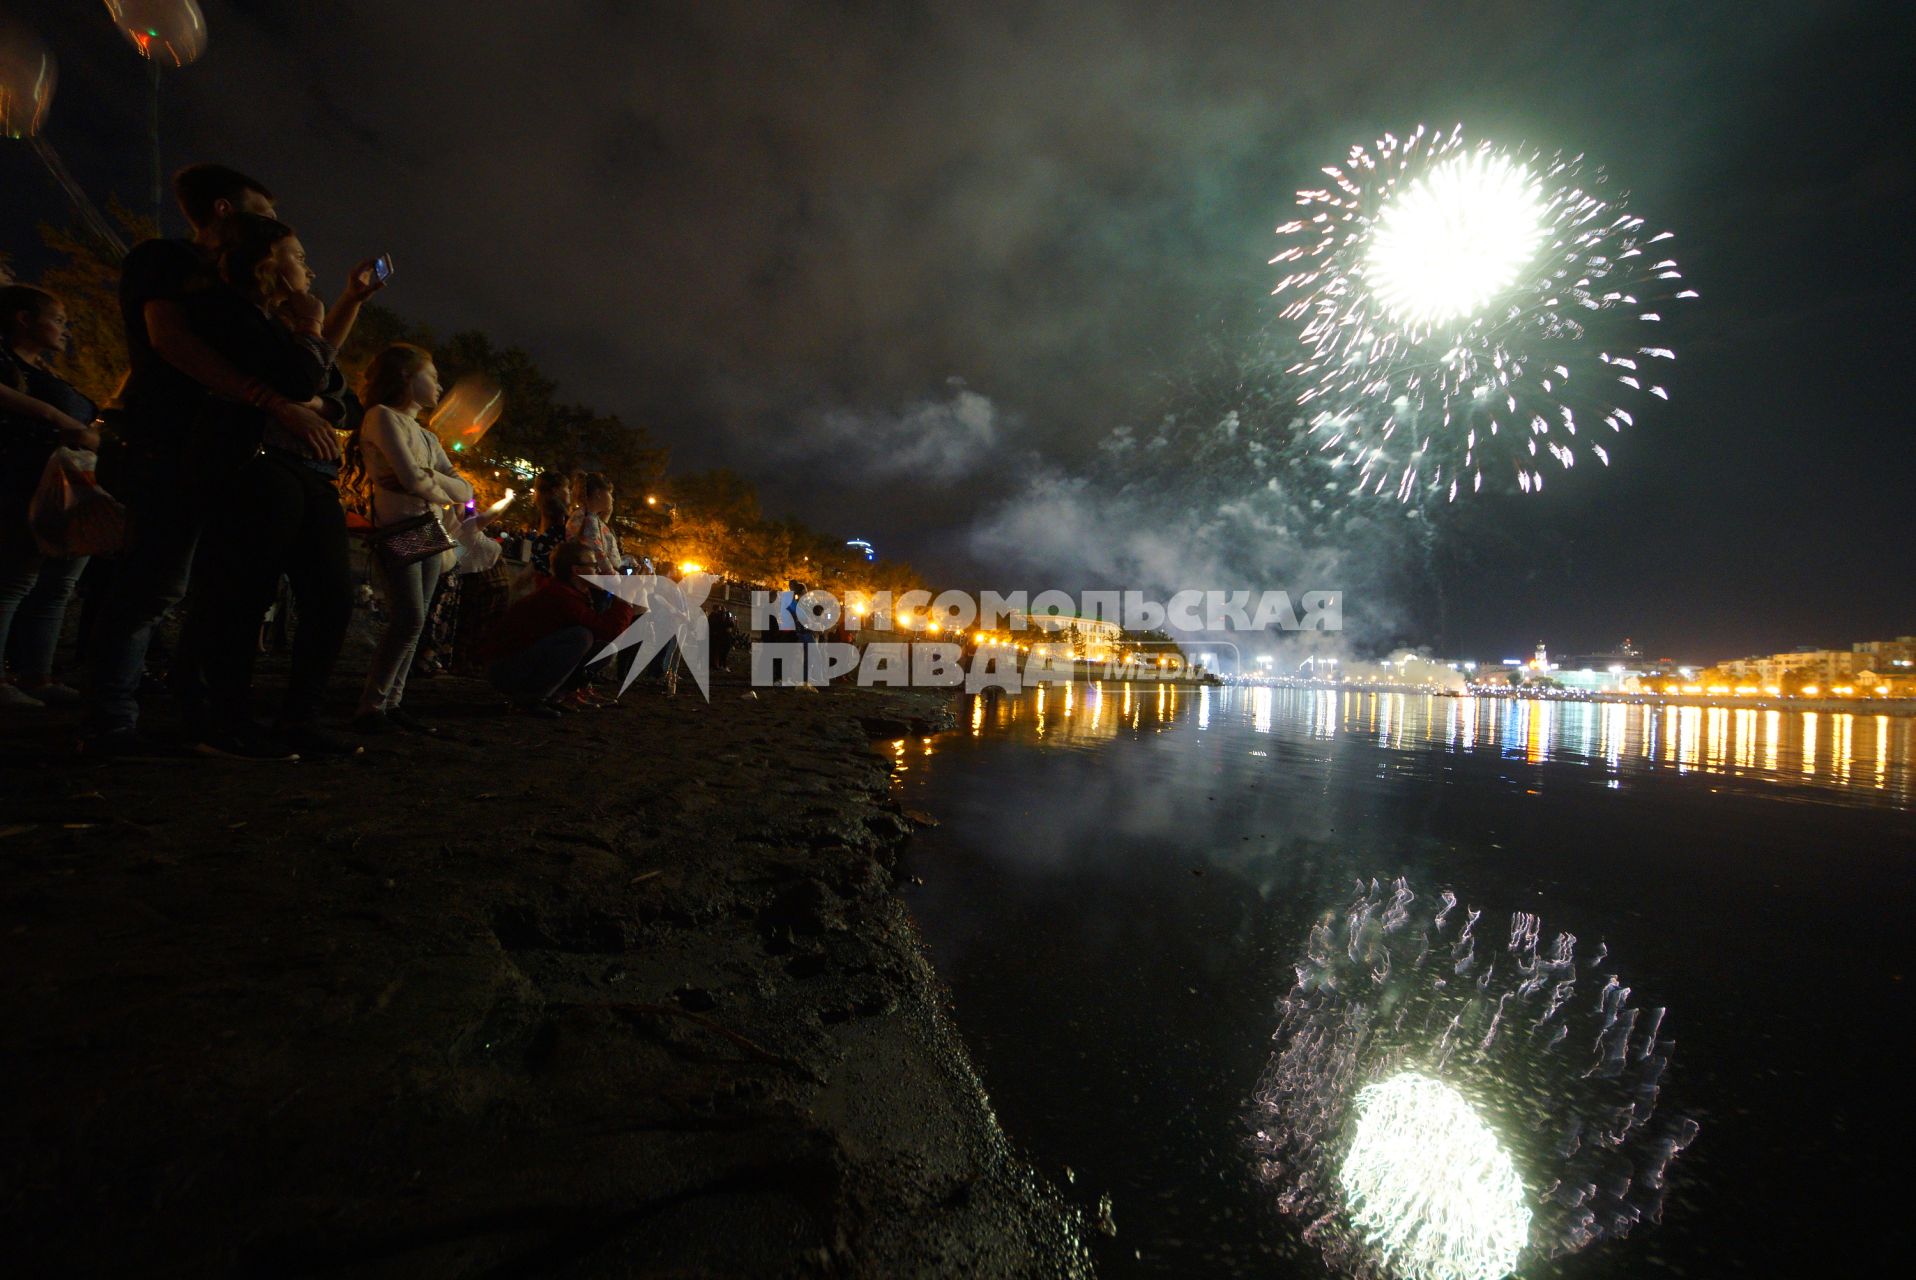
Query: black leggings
277	517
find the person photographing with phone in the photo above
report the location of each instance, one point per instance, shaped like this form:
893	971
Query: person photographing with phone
272	503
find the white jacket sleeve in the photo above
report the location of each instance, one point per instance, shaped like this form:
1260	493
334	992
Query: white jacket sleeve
383	431
449	480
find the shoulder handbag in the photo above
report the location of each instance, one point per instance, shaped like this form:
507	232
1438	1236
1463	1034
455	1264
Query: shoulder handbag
409	541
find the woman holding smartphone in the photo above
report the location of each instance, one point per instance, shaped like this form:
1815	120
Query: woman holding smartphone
406	473
39	411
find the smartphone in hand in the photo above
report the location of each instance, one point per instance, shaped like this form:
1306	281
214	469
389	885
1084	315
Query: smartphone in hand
383	268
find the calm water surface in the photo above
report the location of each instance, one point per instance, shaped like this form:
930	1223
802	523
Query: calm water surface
1124	874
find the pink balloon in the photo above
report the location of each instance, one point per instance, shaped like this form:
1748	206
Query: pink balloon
166	31
27	76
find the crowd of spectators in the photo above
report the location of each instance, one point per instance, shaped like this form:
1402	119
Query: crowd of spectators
245	466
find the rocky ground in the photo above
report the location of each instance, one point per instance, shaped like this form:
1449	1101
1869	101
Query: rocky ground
627	994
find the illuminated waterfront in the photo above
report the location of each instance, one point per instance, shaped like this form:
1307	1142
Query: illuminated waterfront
1854	757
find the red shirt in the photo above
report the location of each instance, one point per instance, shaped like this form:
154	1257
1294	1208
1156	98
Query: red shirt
552	607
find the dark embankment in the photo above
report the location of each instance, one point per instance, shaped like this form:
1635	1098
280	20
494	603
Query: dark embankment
627	994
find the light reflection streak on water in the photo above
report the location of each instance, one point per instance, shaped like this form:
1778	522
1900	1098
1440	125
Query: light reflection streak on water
1820	749
1716	736
1689	736
1584	716
1616	727
1536	717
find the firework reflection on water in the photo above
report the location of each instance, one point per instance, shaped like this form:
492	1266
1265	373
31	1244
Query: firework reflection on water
1398	1002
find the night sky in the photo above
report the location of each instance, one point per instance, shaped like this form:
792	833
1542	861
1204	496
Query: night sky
889	259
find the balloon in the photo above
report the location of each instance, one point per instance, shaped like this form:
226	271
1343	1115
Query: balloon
164	30
27	75
467	412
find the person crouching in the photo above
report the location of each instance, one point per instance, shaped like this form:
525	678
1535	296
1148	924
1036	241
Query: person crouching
538	644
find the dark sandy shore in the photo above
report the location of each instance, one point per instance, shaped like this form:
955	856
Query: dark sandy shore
628	994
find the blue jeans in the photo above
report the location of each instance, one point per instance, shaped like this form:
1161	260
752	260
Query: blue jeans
162	530
536	672
408	591
34	590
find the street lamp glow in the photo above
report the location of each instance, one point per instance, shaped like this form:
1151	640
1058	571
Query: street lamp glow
1455	238
1429	1186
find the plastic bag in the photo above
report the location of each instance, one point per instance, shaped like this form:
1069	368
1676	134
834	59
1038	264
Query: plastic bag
477	553
70	514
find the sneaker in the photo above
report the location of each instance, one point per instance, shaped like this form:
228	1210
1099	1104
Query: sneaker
52	693
12	695
577	701
558	706
313	742
244	744
400	718
371	722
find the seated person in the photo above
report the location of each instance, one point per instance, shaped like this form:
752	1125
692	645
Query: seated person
538	644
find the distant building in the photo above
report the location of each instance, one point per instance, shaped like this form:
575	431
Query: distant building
1822	667
1900	652
1895	682
1623	670
1823	670
1607	678
1086	639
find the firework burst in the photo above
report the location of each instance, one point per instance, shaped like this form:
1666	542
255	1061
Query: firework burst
1470	309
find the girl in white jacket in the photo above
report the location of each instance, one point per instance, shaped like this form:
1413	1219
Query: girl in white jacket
407	473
